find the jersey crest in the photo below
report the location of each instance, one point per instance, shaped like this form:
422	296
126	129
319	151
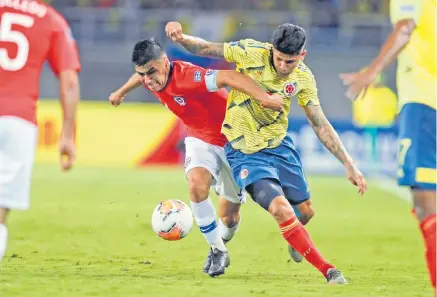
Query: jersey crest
290	89
180	100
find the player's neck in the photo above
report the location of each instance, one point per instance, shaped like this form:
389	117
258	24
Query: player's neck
168	74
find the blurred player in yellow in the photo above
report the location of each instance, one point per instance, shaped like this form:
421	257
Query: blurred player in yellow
262	155
413	42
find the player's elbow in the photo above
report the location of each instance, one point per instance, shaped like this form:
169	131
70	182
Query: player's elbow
405	29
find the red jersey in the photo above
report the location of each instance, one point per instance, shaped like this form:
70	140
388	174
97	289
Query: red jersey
188	96
30	33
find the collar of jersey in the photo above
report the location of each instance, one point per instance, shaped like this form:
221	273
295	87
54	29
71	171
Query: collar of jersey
169	76
271	60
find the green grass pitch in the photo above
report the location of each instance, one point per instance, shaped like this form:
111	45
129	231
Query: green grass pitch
88	233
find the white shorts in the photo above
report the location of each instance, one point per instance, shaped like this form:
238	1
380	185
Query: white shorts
18	140
212	157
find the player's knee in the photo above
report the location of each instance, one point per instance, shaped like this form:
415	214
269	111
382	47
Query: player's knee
306	216
230	219
199	183
424	203
281	209
198	191
306	212
264	191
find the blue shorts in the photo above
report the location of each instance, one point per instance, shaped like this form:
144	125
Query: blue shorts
281	163
417	147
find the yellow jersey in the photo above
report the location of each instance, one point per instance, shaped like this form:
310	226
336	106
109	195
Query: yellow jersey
416	73
247	126
377	108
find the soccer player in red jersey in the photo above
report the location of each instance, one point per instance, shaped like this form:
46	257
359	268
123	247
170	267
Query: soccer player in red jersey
196	95
31	32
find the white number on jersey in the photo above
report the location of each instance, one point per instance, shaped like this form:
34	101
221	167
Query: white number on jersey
8	35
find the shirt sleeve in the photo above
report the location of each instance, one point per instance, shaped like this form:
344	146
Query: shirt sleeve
63	54
236	52
308	92
198	79
405	9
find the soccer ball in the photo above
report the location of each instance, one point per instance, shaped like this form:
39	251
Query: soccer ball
172	220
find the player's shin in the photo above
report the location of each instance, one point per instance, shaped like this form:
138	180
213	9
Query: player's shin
205	216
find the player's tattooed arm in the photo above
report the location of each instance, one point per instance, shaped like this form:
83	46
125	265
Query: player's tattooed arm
199	46
194	45
326	133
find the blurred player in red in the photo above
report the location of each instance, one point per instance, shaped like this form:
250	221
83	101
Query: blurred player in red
31	32
197	97
413	43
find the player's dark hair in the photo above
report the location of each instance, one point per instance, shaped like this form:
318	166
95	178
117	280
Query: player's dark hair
289	39
146	51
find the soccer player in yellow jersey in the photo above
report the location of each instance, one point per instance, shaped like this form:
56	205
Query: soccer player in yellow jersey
263	158
413	42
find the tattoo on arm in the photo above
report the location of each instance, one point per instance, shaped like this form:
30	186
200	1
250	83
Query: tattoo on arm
326	133
199	46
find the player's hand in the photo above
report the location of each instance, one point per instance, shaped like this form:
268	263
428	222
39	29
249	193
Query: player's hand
67	152
174	31
116	98
355	176
357	82
274	102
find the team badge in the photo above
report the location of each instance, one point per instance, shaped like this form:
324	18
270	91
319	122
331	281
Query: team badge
290	89
179	100
244	173
197	76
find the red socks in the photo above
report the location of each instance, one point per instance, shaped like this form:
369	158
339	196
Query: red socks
428	228
296	235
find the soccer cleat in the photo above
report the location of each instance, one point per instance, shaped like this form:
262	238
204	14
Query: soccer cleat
334	276
295	255
208	262
220	260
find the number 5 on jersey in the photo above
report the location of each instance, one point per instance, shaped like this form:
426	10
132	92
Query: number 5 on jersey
7	34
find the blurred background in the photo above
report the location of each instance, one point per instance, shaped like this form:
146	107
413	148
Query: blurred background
343	35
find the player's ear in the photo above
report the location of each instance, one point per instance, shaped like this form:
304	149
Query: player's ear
303	54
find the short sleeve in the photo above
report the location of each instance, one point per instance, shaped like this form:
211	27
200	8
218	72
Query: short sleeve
405	9
63	54
308	92
198	79
235	52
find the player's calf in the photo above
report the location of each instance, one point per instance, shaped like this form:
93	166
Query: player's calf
230	219
304	212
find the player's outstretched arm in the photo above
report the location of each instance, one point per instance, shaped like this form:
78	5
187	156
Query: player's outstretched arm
394	44
194	45
117	97
243	83
330	139
69	97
